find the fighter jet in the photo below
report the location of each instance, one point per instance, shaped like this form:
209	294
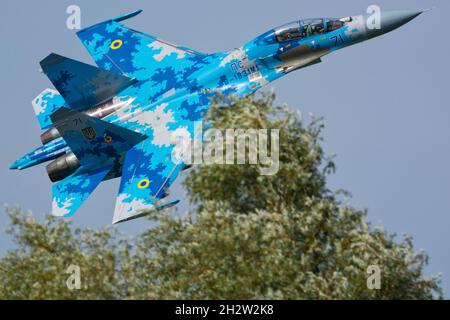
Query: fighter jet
117	119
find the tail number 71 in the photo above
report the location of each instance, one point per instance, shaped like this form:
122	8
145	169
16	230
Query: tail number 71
337	39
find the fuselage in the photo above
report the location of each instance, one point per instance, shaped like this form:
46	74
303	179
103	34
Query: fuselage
239	72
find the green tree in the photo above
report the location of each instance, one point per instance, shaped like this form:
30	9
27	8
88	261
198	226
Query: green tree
248	236
37	268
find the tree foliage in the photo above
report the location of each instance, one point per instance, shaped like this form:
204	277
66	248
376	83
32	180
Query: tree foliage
248	236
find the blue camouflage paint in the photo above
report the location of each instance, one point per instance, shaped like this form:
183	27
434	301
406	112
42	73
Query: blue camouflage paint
100	141
164	89
47	102
70	193
81	84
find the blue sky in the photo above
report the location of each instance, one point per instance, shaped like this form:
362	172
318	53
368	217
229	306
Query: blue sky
385	103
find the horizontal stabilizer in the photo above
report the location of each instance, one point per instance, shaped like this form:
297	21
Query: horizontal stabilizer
81	85
93	140
47	102
70	193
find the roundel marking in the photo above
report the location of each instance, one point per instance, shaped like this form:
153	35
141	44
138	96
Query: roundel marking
108	139
116	44
144	183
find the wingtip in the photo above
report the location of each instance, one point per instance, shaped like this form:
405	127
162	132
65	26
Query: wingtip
116	19
127	15
49	60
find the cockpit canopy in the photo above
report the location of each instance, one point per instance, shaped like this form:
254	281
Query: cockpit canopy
307	28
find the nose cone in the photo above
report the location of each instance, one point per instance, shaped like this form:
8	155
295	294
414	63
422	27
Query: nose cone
389	20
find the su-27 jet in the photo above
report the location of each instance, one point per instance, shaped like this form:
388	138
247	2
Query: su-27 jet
117	119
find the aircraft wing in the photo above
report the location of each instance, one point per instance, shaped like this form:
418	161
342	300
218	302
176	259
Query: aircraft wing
120	49
146	176
96	144
152	165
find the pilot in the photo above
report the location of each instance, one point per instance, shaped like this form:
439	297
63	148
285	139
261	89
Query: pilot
309	31
320	29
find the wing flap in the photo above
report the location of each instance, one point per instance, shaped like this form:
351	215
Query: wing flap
152	166
144	212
